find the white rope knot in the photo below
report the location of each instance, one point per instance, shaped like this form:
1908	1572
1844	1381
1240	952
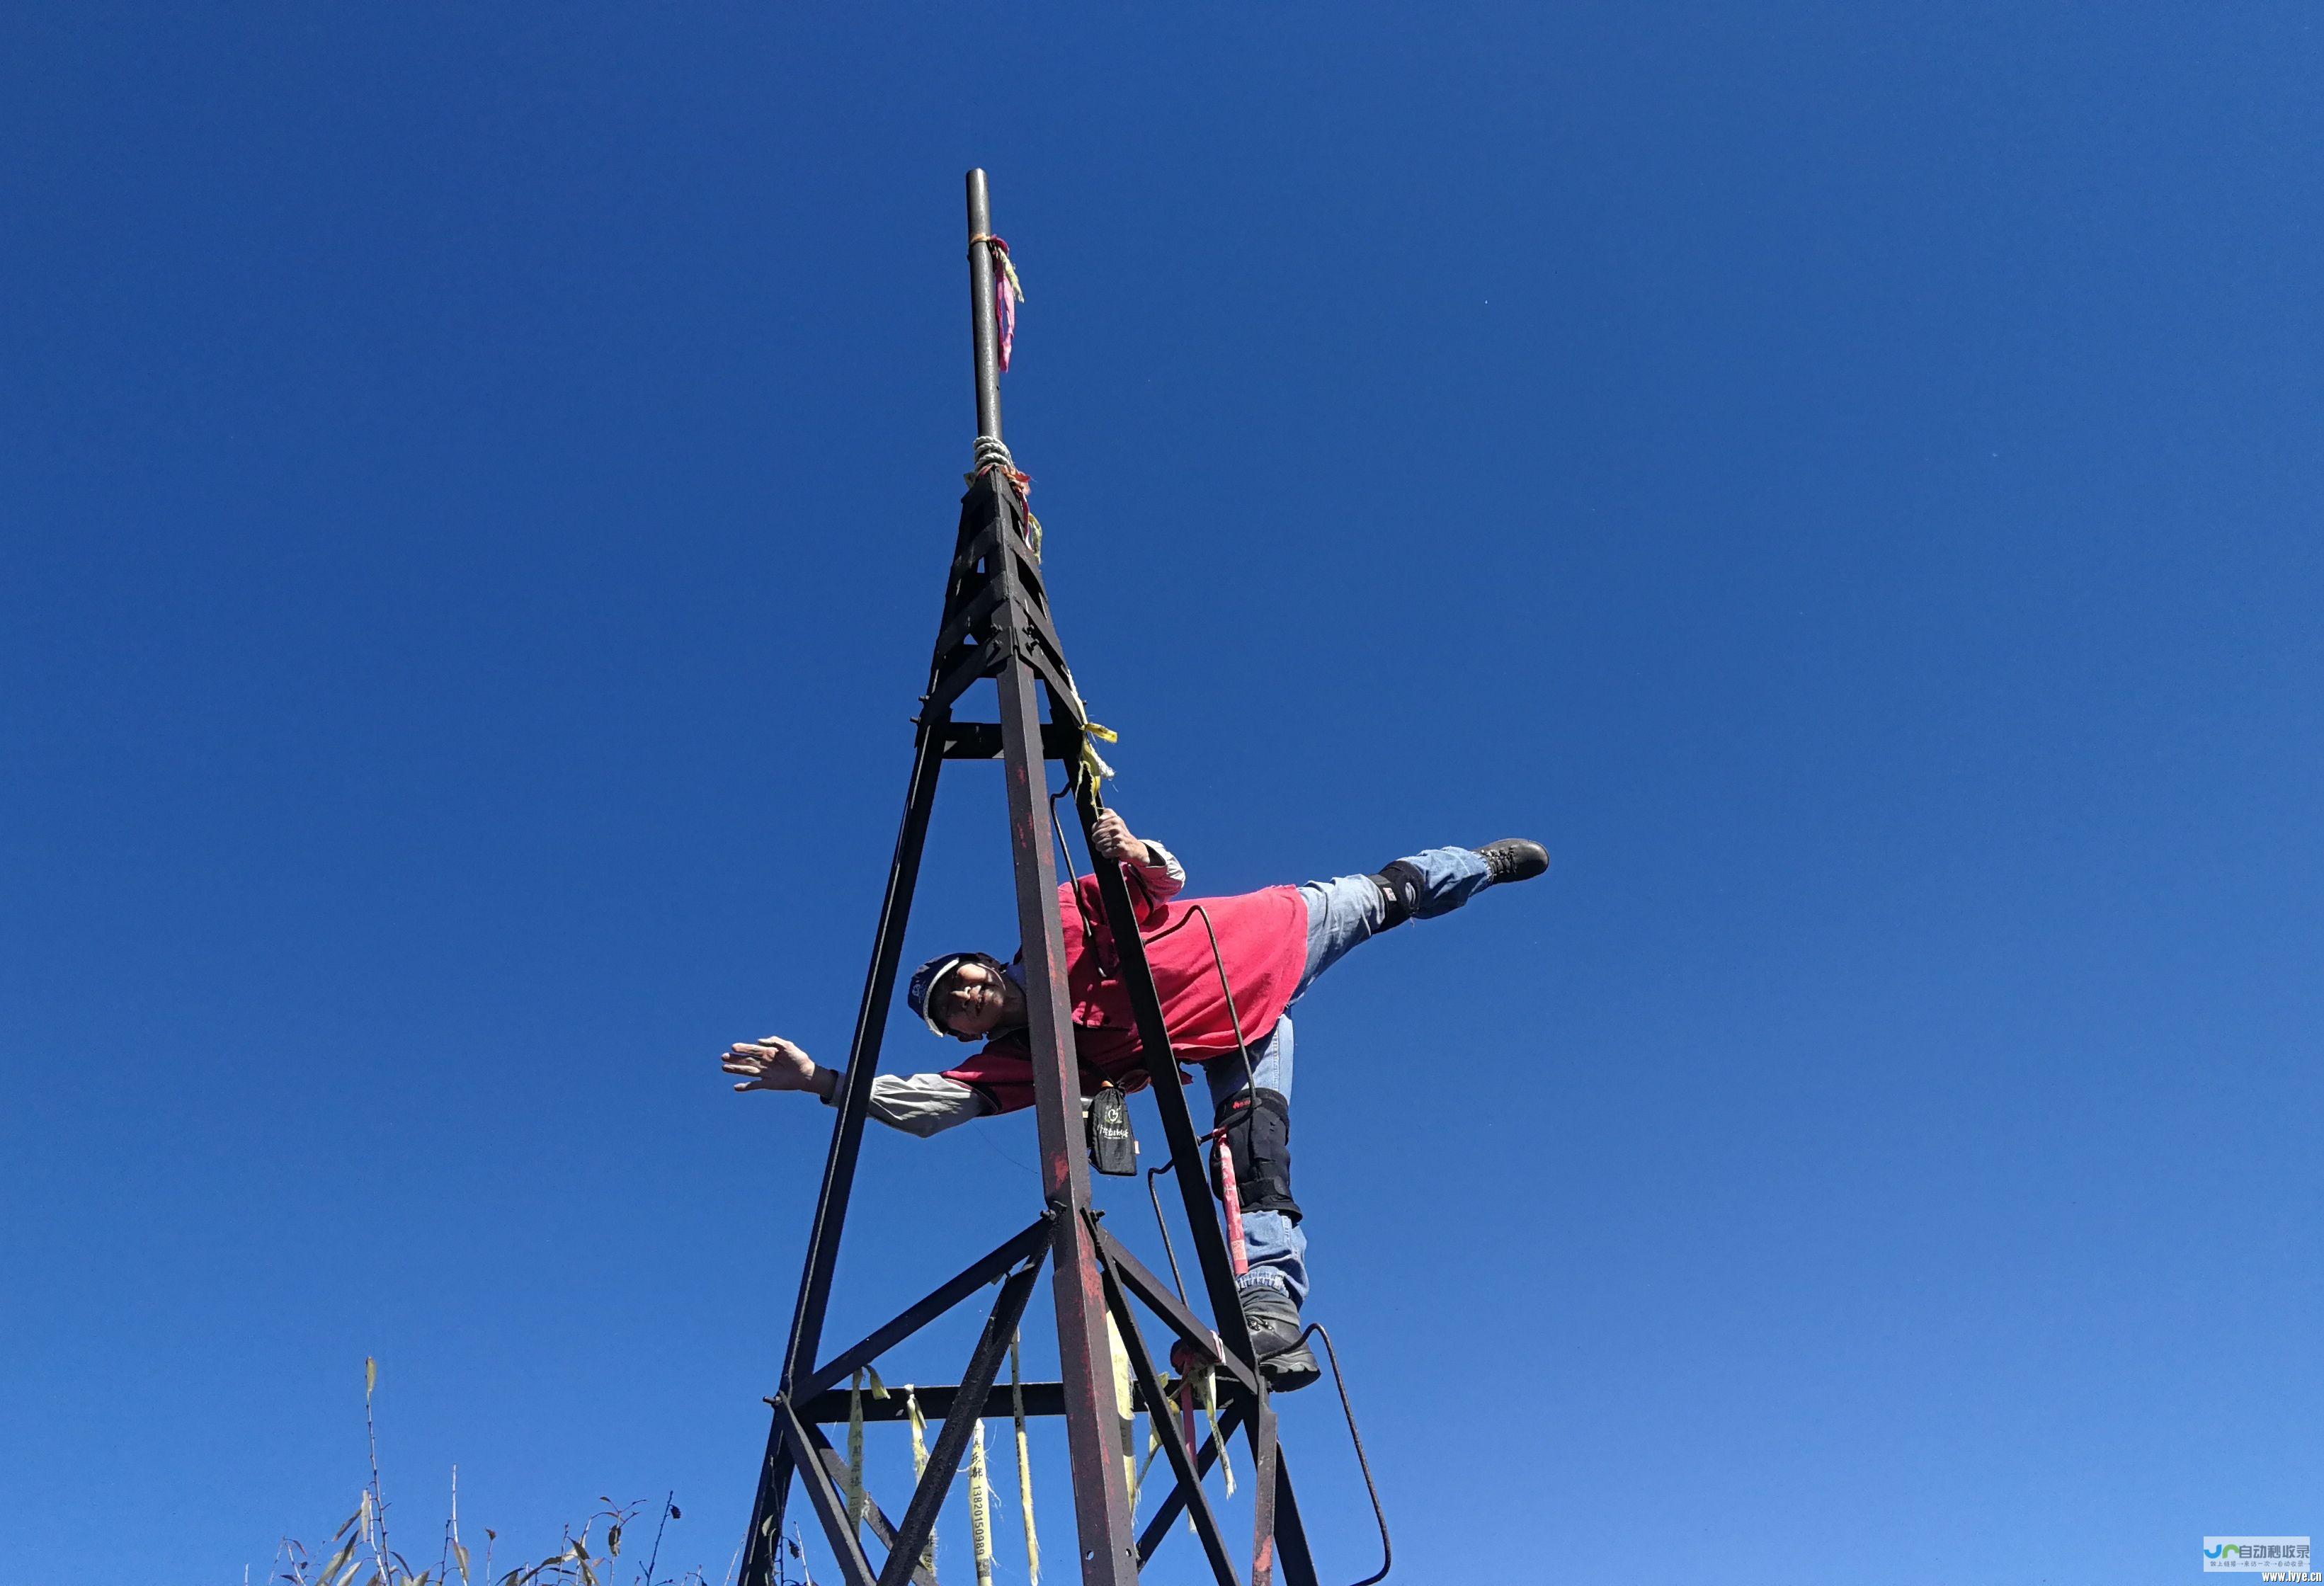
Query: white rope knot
992	454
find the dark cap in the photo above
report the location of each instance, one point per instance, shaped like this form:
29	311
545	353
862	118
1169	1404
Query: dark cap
929	975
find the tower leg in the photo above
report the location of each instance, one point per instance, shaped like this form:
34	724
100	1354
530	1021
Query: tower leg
1109	1551
764	1538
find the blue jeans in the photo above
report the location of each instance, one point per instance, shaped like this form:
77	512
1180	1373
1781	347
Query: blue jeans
1341	913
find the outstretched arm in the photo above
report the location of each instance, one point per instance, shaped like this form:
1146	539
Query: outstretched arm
919	1103
773	1063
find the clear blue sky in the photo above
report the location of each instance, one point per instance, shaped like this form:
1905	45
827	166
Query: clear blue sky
475	486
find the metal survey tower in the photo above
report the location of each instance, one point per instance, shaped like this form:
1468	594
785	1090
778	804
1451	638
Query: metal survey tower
996	623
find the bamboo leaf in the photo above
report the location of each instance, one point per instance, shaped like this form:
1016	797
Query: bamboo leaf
371	1375
613	1541
460	1551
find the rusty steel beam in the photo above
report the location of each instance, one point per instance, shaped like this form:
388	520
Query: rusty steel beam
1033	1241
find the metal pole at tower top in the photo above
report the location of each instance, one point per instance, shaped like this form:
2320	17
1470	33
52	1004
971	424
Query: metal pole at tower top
980	291
1103	1519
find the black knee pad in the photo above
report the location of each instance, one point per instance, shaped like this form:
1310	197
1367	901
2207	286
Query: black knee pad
1402	886
1260	1139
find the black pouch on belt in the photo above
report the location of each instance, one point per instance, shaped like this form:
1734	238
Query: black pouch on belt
1112	1148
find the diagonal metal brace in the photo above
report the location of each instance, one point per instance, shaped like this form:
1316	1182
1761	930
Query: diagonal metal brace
1150	1288
1174	1501
952	1442
1149	1383
1034	1241
874	1517
830	1507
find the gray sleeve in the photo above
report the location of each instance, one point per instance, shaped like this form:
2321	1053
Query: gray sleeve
918	1104
1162	880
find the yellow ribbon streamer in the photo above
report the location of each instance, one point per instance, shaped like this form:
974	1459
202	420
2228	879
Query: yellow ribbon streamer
1008	268
1093	766
1124	1415
1153	1447
920	1466
1024	1469
858	1506
1207	1387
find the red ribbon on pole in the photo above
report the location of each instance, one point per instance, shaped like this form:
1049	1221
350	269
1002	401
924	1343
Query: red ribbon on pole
1007	291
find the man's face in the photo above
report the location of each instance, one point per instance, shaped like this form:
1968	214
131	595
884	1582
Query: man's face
973	1000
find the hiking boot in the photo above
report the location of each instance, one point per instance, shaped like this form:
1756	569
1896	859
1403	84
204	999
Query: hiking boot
1515	859
1274	1322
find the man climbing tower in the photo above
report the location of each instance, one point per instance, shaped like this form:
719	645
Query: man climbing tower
1271	945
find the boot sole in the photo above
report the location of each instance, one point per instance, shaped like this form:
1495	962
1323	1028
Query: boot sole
1291	1371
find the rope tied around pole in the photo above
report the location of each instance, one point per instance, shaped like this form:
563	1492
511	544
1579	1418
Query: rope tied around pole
992	452
993	457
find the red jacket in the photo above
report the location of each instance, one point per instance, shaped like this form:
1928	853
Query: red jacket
1262	942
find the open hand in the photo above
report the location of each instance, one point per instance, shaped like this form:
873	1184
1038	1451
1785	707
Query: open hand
770	1064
